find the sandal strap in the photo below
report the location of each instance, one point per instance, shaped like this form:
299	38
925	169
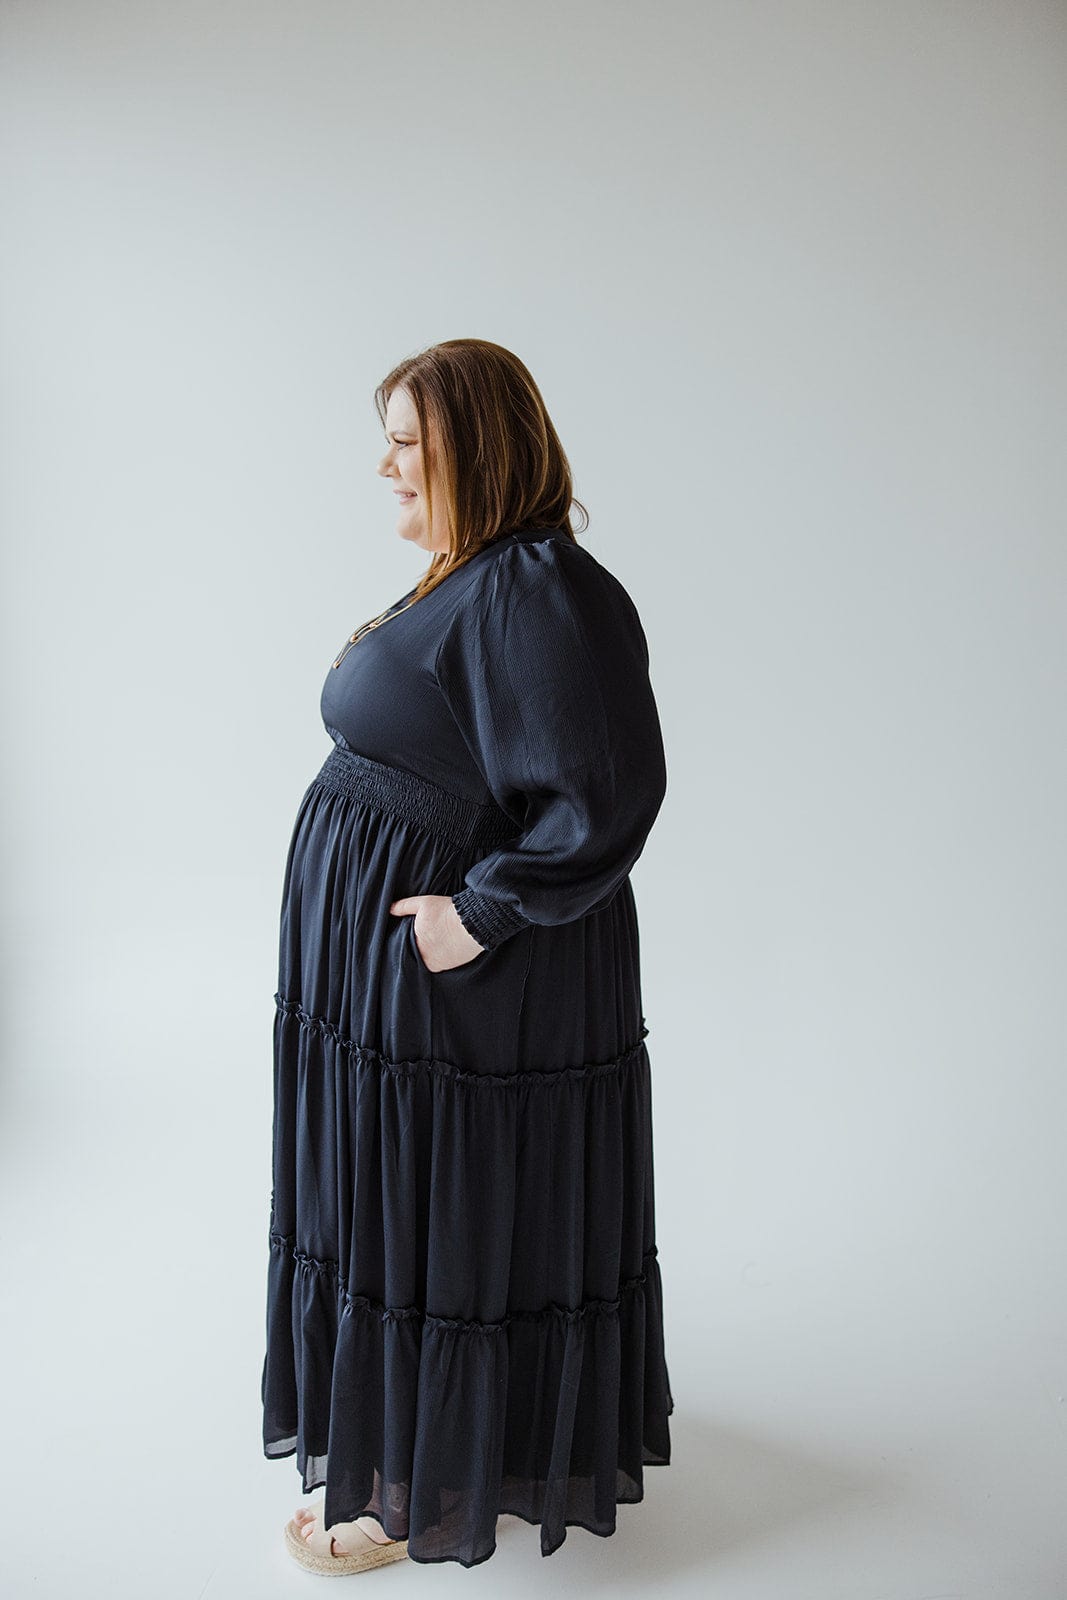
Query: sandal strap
349	1534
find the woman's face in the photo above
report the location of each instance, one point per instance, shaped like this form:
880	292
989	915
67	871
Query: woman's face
403	464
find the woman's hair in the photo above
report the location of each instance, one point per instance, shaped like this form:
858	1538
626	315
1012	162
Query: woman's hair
488	445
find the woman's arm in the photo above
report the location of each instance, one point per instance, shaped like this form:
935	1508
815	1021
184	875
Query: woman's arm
545	668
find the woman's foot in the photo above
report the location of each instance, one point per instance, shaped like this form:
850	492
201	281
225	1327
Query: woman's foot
306	1519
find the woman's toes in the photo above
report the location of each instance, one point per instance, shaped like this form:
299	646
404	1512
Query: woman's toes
307	1518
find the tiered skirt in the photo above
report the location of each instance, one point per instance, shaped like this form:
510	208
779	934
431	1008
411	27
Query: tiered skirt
464	1302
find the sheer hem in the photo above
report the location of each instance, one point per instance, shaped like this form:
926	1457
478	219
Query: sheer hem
518	1499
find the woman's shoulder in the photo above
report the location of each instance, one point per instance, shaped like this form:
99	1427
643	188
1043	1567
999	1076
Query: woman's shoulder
547	564
538	598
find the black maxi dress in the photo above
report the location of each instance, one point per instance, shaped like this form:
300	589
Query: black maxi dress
464	1306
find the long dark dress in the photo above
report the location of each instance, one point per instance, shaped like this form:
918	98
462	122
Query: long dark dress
464	1311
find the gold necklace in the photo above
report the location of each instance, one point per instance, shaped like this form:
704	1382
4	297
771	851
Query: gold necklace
375	622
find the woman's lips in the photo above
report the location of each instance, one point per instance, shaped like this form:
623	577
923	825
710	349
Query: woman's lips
405	496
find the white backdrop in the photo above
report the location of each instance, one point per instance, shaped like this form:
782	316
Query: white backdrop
790	277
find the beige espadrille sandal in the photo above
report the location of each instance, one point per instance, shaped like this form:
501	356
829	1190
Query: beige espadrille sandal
314	1551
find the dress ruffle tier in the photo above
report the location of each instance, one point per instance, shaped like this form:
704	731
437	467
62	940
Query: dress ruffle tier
511	1358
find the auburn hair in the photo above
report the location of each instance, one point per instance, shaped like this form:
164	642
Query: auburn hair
488	446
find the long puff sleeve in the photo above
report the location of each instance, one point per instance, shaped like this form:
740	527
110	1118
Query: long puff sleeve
545	669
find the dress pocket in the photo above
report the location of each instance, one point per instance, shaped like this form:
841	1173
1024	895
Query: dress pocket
405	993
409	945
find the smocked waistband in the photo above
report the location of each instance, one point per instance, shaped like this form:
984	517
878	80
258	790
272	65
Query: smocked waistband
415	799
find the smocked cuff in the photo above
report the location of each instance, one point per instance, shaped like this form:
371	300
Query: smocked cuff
487	920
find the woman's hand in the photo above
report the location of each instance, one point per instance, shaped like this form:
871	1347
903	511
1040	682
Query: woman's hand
440	937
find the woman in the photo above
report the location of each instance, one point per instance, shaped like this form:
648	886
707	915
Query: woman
464	1310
